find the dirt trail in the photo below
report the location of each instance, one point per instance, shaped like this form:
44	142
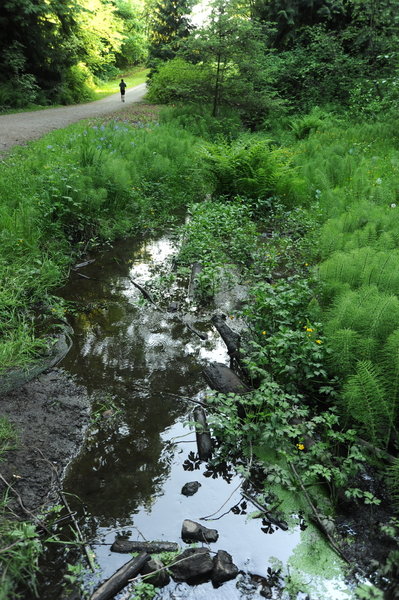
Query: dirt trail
20	128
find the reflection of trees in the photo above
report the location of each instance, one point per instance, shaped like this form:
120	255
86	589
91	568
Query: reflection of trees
136	356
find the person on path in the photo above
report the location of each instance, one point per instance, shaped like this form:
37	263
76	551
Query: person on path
122	87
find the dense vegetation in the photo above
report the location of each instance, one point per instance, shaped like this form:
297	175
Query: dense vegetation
286	122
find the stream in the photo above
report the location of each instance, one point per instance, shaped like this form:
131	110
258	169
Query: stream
140	366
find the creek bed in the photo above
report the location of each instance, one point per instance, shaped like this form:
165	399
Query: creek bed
139	365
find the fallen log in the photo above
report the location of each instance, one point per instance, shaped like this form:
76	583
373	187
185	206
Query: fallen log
230	337
204	442
120	579
224	380
125	546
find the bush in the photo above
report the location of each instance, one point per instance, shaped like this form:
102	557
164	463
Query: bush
180	81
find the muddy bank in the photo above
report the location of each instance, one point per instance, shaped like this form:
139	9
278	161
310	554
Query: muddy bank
51	414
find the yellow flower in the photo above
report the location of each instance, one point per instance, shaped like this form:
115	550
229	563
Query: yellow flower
263	332
309	329
306	264
319	342
300	446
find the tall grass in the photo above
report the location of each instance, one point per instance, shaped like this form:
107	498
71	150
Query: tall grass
74	189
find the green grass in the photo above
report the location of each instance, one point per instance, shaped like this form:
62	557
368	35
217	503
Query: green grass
132	78
75	189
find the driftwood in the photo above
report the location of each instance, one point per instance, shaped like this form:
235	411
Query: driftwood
196	269
83	264
204	442
230	337
125	546
222	379
120	579
146	294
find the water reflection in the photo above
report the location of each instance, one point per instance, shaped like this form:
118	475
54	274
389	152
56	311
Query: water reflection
130	352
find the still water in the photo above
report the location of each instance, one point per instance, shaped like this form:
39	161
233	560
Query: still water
141	365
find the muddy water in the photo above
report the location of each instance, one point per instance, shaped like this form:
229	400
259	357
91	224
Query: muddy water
141	365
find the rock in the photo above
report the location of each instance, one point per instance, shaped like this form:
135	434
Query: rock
159	579
173	307
194	532
223	568
266	591
190	488
197	566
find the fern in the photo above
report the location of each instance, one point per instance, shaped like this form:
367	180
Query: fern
393	481
367	311
389	361
347	348
365	401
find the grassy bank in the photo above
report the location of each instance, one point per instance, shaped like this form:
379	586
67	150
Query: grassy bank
306	219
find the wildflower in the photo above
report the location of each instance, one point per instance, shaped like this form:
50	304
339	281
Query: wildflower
306	264
319	342
263	332
300	446
393	205
309	329
379	181
49	147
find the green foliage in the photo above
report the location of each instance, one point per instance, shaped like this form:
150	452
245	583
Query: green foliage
143	591
20	549
168	28
218	236
393	482
367	402
197	119
252	169
74	189
52	49
180	81
8	436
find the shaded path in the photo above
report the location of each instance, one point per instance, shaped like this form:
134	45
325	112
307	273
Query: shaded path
23	127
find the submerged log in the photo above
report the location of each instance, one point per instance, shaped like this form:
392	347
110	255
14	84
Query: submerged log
125	546
204	442
120	579
230	337
222	379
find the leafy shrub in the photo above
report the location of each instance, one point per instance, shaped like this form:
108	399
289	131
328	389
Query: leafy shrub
180	81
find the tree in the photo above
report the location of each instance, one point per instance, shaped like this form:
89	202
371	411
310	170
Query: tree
233	47
169	25
134	45
37	42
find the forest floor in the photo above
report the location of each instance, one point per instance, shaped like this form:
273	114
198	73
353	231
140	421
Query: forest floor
20	128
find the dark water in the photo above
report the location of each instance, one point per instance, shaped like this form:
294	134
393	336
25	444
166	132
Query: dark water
140	364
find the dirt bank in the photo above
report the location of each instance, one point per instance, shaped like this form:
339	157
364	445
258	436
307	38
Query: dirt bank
51	414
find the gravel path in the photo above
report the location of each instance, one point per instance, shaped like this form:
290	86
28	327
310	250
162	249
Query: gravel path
20	128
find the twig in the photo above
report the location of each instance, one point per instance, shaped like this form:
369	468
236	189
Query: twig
267	513
208	517
317	515
27	511
88	551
